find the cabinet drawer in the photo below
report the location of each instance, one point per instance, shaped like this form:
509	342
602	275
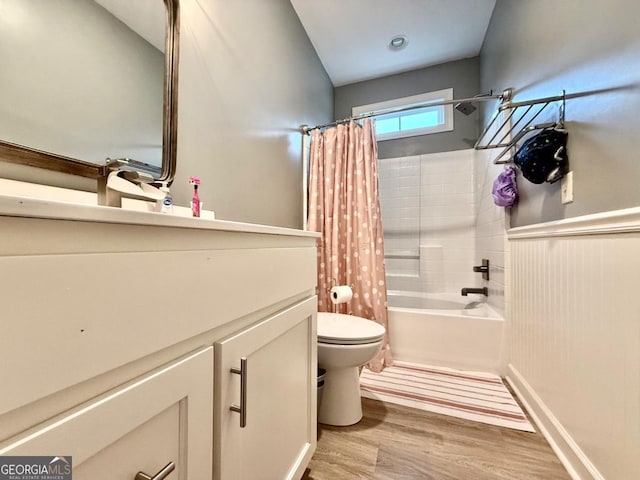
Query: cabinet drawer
139	427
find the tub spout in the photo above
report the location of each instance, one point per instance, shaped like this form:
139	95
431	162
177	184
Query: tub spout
481	291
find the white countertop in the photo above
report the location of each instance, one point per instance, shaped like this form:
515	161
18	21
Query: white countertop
25	206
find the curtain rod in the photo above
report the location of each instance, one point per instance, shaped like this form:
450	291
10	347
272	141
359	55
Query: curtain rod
305	130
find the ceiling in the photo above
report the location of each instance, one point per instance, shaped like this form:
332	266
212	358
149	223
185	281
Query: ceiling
351	37
145	17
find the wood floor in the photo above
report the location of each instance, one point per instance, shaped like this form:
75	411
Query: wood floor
393	442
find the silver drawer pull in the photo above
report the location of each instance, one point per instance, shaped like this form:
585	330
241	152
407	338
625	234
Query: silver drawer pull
242	409
164	473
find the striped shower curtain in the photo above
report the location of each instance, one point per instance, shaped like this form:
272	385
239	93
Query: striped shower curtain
344	206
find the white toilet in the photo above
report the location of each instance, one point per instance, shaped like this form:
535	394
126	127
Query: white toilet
345	342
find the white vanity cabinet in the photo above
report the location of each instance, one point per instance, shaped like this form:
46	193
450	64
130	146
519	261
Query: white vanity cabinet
120	330
265	401
158	420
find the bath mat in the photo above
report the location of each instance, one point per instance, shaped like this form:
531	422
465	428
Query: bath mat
481	397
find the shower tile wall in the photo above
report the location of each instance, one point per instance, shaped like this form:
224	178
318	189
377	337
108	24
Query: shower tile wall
399	183
428	217
492	222
490	228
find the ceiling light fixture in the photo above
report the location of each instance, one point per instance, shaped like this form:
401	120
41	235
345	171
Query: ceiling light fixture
398	42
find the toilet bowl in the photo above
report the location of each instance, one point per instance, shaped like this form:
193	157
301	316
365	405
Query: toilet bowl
345	342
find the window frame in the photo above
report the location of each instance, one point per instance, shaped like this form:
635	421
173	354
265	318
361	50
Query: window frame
387	108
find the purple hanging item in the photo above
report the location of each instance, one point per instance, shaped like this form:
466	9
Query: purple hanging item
505	189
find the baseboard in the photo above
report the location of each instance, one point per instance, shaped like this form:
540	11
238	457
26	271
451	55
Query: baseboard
572	457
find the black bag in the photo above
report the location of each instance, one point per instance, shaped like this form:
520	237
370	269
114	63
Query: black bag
543	157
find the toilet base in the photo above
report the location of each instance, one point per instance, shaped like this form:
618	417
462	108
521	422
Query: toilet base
341	402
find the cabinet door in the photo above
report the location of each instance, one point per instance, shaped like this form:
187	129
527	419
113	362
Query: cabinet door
164	417
279	436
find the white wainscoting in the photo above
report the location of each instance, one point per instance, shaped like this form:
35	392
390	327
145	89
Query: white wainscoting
574	338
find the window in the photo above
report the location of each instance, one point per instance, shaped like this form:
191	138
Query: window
421	120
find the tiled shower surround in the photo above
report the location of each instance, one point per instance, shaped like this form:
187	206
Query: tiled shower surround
428	217
439	221
490	228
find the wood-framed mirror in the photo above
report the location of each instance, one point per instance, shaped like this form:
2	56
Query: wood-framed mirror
90	85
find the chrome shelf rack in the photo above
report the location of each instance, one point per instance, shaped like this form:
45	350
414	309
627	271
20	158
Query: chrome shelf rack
517	117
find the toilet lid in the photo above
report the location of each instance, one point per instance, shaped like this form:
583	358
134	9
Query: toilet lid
341	329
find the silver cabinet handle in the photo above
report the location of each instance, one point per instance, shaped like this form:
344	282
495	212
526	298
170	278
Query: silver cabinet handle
166	470
242	409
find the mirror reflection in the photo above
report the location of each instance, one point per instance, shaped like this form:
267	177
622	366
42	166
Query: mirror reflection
84	79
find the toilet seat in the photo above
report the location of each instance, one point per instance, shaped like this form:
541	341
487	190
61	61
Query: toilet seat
341	329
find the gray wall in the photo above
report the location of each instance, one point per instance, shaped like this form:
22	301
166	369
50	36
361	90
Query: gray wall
463	76
542	47
249	77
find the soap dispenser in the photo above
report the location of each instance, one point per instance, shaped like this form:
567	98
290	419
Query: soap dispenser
165	204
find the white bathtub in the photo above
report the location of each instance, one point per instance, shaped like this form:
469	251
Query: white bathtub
438	330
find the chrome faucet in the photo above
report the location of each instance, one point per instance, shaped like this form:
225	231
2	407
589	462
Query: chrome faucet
119	184
481	291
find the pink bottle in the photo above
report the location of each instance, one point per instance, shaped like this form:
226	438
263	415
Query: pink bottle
195	201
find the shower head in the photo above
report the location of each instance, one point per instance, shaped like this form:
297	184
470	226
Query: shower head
465	107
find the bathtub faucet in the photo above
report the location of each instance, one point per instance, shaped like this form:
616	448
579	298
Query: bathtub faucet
483	269
481	291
